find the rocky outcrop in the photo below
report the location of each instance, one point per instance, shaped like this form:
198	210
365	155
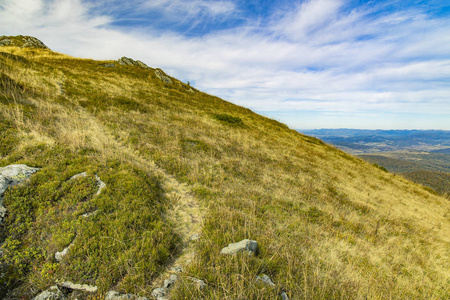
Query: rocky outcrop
162	76
22	41
126	61
68	287
10	176
246	246
51	294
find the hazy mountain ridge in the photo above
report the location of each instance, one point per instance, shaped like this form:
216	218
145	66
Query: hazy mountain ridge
186	174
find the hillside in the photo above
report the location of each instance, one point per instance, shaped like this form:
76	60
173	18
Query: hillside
185	174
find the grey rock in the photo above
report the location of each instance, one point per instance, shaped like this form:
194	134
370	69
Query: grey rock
284	296
84	174
249	247
163	77
265	280
59	255
108	65
126	61
168	283
101	185
113	295
10	176
32	42
177	269
67	287
22	41
160	293
194	237
199	283
49	295
90	214
5	42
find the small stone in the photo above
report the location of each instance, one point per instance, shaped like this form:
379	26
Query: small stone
248	246
194	237
265	279
59	255
159	293
67	287
90	214
284	296
101	185
199	283
108	65
177	269
84	174
168	283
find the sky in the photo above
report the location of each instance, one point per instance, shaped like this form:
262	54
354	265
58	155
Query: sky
381	64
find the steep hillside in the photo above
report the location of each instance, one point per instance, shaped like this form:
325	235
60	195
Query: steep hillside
186	174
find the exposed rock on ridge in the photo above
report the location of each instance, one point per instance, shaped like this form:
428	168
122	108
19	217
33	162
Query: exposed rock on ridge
22	41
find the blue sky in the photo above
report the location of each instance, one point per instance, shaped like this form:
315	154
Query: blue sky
310	64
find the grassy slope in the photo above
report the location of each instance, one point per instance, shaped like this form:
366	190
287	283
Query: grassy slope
328	225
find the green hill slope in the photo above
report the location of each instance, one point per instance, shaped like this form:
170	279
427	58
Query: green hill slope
178	162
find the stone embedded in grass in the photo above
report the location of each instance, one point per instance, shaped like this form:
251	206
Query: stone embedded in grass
101	185
247	246
113	295
199	283
10	176
59	255
265	279
160	293
284	296
168	283
51	294
68	287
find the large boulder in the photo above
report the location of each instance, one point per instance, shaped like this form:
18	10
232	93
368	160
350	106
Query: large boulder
249	247
10	176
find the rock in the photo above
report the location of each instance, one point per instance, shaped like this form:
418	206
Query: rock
49	295
59	255
163	77
67	287
199	283
265	280
108	65
168	283
90	214
101	185
247	246
130	62
113	295
177	269
84	174
10	176
22	41
194	237
160	293
284	296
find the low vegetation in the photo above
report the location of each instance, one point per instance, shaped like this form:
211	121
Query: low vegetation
329	225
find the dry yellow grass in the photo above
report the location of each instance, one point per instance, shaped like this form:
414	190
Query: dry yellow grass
330	226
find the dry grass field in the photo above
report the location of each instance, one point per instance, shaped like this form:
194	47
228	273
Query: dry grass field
177	161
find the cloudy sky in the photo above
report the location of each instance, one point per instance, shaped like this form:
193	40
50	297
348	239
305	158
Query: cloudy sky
307	63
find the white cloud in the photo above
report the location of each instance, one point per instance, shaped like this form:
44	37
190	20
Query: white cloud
319	57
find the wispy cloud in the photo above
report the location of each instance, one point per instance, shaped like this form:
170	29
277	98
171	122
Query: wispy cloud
319	55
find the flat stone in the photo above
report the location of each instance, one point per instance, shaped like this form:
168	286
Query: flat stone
59	255
67	287
84	174
249	247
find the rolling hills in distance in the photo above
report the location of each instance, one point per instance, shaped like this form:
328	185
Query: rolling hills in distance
140	181
422	156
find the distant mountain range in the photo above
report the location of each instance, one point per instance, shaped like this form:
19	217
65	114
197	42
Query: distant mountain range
422	156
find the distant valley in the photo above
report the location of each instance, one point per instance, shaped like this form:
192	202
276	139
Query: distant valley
422	156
